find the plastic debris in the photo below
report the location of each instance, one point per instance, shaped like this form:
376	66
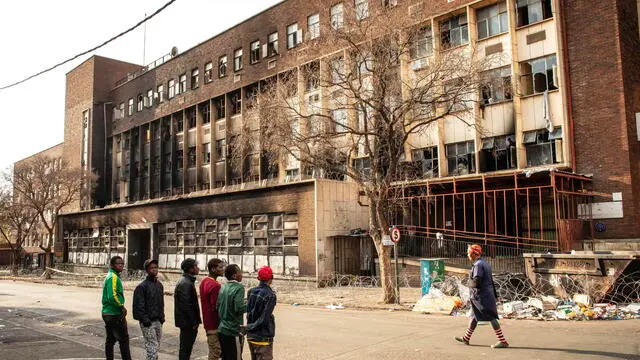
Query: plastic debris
335	307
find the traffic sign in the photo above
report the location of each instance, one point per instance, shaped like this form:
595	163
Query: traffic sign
386	240
395	234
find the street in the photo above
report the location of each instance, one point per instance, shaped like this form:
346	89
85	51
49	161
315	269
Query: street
40	321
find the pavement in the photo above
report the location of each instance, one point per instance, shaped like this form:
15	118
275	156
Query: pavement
43	321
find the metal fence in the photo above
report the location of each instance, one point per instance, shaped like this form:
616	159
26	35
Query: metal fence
503	258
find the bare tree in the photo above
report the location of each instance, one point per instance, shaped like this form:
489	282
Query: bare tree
48	186
17	221
368	112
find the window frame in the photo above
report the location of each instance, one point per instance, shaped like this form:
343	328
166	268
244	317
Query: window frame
546	11
461	28
292	36
237	59
208	72
337	16
272	44
140	102
489	84
222	66
313	29
171	84
551	69
130	106
254	52
502	15
361	9
469	156
182	84
195	74
160	90
420	41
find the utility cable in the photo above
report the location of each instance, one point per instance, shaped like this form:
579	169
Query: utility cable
92	49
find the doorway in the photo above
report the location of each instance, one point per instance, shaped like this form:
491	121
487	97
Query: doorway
138	248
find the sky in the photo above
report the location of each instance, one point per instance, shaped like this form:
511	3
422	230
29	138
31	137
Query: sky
36	34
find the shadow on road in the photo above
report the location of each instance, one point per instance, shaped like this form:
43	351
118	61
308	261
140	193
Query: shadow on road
581	352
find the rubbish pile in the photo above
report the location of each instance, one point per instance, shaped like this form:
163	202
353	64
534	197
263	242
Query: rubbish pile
549	308
451	297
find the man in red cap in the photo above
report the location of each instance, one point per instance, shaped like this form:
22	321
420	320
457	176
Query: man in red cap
261	325
483	298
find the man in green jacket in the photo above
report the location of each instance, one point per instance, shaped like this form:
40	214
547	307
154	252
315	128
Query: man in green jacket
113	311
231	309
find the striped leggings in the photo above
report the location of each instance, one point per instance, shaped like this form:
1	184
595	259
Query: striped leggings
494	324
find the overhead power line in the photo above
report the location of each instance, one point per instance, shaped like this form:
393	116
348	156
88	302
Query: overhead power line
92	49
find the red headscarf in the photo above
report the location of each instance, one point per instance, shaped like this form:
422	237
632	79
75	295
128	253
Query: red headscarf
476	249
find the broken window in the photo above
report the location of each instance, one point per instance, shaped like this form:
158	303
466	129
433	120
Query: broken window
208	72
337	16
191	117
179	159
428	159
121	110
492	20
149	99
221	149
220	107
254	55
312	76
533	11
183	84
454	31
140	102
160	93
179	126
539	75
237	59
313	25
496	86
172	88
205	110
362	9
337	70
236	103
543	147
272	44
206	153
362	166
461	158
192	157
339	117
498	153
422	45
222	66
292	36
130	107
195	78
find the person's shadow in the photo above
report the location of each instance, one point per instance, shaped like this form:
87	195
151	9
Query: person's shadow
582	352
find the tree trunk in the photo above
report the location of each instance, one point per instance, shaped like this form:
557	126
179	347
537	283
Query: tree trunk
387	280
15	262
377	228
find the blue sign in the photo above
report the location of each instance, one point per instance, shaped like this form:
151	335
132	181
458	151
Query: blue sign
601	227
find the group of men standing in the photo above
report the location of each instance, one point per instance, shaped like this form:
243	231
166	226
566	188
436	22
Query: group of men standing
223	309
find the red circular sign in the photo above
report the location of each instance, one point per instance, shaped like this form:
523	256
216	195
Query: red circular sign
395	234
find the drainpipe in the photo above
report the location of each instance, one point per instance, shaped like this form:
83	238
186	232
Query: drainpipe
104	160
567	80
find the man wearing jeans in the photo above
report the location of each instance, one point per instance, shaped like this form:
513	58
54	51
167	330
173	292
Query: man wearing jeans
114	313
186	309
148	309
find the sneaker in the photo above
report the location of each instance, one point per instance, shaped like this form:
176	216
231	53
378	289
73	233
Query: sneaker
500	345
462	340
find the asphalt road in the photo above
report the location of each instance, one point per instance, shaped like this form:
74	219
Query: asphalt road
39	321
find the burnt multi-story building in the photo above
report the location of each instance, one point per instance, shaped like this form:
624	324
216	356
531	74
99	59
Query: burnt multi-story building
555	161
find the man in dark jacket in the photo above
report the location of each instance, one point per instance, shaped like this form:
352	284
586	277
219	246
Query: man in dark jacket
187	311
148	309
261	325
